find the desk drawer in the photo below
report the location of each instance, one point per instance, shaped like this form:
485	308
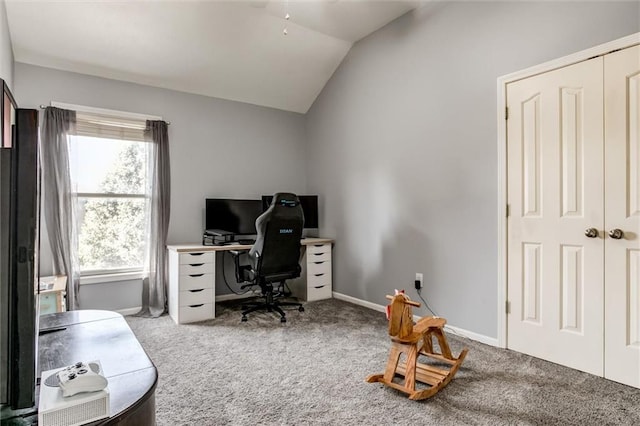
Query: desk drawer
318	293
315	268
319	257
196	297
198	312
197	257
197	268
318	280
196	282
319	248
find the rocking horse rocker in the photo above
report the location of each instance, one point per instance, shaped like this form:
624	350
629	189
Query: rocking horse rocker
413	341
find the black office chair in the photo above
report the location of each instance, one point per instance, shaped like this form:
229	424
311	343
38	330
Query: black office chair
275	256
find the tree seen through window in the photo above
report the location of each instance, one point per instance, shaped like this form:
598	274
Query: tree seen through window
112	220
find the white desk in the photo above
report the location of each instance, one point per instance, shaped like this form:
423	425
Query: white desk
192	277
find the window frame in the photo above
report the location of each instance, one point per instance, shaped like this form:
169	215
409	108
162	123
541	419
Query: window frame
89	274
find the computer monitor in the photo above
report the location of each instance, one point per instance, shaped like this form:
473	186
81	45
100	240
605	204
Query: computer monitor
309	205
235	216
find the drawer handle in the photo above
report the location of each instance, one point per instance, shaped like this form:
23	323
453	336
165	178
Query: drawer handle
196	291
196	254
196	275
318	254
196	306
319	286
318	263
318	245
319	275
196	264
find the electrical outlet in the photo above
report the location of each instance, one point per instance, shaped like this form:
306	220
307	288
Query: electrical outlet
418	281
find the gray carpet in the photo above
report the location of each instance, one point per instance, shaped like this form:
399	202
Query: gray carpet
311	370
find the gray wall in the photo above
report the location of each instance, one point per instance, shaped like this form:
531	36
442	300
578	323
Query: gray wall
403	145
218	149
400	145
6	52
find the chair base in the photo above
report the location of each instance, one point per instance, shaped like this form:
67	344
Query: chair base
270	306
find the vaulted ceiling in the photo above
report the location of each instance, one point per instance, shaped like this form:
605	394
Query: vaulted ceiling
233	50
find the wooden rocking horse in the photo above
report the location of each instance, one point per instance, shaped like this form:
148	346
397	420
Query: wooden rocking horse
414	340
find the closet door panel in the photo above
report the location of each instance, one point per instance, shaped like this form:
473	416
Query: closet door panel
622	211
555	192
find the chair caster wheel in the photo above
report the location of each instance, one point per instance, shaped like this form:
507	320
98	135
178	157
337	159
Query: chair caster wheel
244	319
283	319
301	309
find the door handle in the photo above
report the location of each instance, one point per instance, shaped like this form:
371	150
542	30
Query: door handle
616	234
591	232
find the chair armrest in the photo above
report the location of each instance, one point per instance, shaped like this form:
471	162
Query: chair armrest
239	269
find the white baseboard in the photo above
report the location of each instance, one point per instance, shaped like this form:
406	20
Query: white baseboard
492	341
360	302
129	311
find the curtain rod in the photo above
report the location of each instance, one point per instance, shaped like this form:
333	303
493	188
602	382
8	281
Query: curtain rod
45	106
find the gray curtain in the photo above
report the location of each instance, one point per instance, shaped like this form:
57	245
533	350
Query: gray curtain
154	293
57	126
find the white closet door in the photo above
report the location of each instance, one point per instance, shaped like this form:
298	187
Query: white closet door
555	192
622	211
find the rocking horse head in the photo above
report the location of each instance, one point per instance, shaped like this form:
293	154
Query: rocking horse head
400	315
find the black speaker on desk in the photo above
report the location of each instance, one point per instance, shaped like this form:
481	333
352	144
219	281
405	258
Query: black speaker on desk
207	240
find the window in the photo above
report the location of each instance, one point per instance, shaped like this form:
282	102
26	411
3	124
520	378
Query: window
110	180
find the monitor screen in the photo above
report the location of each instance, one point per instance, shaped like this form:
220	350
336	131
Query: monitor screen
309	205
235	216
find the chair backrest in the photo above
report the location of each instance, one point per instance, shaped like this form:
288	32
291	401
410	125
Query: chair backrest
275	255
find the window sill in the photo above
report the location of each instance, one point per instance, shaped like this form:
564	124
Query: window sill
108	278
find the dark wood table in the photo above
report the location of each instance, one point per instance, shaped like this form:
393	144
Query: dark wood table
87	335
